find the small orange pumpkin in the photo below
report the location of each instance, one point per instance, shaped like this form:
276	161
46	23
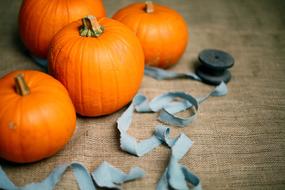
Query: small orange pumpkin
40	20
162	31
37	117
101	63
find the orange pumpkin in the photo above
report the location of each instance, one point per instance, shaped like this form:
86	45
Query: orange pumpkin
162	31
101	63
40	20
37	117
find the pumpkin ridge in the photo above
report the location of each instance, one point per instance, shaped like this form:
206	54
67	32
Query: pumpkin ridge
109	39
142	17
67	10
55	57
134	67
100	79
71	45
5	107
71	48
25	27
116	35
47	128
66	43
84	55
41	27
31	27
19	131
164	33
134	25
82	47
28	25
45	121
118	95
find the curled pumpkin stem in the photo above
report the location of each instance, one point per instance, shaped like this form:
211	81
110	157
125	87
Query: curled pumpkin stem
21	86
91	27
149	8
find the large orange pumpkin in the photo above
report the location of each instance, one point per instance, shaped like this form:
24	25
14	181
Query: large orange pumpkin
162	31
101	63
37	117
40	20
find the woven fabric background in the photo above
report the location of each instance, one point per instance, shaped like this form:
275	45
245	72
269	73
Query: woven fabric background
239	139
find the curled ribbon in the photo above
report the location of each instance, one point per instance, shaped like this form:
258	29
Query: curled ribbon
175	176
104	176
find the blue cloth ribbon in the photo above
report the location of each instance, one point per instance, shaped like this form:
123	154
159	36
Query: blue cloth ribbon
104	176
175	176
161	74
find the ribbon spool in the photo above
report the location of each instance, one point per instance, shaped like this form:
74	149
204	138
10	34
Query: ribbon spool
214	66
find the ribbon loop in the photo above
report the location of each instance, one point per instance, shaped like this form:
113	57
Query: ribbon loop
176	175
104	176
109	177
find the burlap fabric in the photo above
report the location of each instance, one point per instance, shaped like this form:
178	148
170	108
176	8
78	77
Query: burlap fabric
238	139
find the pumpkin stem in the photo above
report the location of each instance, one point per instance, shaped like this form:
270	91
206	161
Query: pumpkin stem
21	86
91	27
149	8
